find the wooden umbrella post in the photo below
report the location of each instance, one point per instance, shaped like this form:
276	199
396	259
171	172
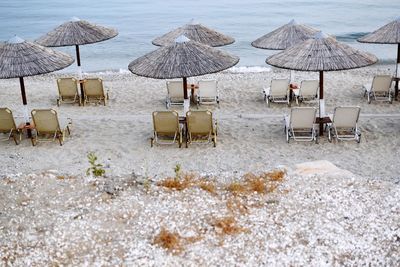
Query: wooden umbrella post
25	103
321	97
185	95
78	62
396	85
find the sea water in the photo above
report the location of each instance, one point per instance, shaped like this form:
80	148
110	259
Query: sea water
140	21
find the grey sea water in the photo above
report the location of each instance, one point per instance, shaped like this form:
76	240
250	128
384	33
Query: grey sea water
140	21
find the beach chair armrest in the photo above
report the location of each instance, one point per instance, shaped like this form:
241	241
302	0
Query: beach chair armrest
266	90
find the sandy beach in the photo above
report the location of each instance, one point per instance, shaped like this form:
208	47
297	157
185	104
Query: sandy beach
346	216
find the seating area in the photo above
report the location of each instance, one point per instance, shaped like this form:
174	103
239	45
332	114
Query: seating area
380	89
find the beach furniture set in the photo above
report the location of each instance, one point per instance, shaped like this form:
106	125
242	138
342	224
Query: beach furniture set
196	127
44	126
93	91
300	124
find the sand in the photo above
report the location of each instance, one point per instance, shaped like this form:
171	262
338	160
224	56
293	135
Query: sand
250	139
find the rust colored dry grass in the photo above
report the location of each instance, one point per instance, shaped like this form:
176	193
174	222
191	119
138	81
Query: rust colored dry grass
228	226
237	205
207	186
276	176
236	188
257	184
180	182
170	241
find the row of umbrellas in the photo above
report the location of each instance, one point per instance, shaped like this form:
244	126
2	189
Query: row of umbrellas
188	51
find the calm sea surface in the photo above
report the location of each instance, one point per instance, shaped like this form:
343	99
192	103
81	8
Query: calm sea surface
139	22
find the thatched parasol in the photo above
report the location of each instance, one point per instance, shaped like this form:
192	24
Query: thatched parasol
182	59
195	32
20	58
321	53
285	36
76	32
388	34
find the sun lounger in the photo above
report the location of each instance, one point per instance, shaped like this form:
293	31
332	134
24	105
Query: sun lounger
308	91
344	124
380	89
208	92
94	91
47	126
68	91
201	127
8	126
174	93
299	125
167	129
277	92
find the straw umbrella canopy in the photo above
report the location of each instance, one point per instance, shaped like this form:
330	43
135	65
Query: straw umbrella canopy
388	34
76	32
321	53
20	58
182	59
285	36
195	32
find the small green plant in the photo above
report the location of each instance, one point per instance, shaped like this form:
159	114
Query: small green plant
95	168
177	171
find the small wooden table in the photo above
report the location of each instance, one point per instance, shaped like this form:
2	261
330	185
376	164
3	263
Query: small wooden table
321	121
23	126
396	87
193	87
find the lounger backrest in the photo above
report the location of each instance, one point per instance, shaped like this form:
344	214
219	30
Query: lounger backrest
381	83
302	117
199	122
175	89
93	87
346	117
6	120
309	88
279	87
208	88
67	87
45	120
166	122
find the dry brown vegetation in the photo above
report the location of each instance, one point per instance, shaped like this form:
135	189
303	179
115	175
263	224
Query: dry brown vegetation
170	241
227	226
237	205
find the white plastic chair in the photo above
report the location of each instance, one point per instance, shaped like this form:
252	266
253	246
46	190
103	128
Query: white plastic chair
300	124
208	92
277	92
344	124
308	91
174	93
380	89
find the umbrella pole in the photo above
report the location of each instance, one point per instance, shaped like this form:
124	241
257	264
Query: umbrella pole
186	102
78	62
25	103
321	102
396	86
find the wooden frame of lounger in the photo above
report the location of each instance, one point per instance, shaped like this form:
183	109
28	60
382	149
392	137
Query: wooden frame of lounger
200	127
94	91
380	89
8	126
344	124
167	129
47	124
203	95
68	91
270	94
301	121
311	89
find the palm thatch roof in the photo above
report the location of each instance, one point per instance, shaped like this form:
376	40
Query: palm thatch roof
321	53
184	58
20	58
76	32
285	36
195	32
388	34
